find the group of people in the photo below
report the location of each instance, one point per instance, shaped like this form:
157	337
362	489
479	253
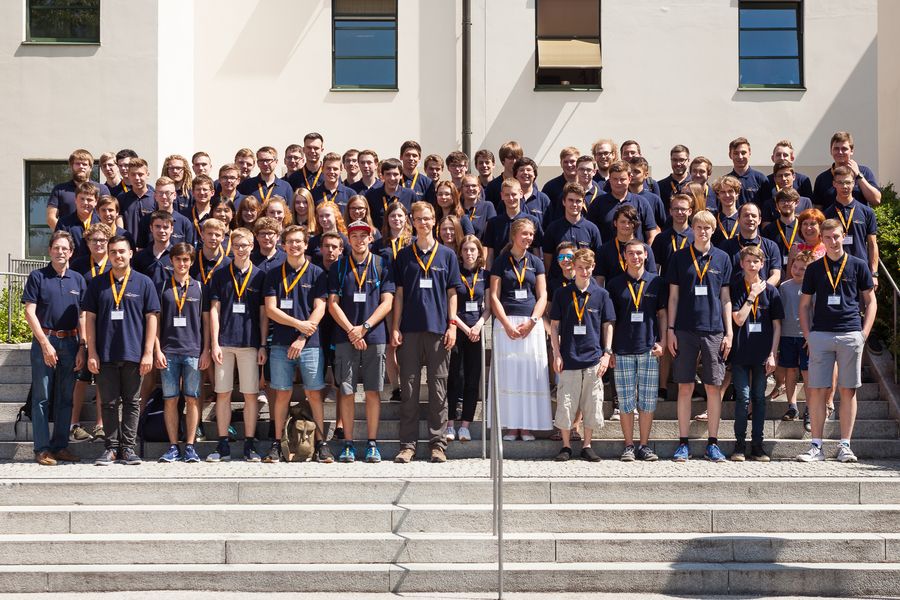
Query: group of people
377	269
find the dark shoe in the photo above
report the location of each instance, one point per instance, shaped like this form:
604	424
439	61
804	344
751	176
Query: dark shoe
65	455
274	455
338	433
129	456
588	454
646	454
790	414
806	424
323	454
395	395
45	458
107	458
564	455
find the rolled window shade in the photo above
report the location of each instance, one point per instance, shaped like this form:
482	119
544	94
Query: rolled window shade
560	18
570	54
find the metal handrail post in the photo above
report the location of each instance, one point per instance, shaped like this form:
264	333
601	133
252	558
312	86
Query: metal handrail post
883	270
497	473
482	390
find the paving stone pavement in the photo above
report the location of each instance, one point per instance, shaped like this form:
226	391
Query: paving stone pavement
192	595
456	469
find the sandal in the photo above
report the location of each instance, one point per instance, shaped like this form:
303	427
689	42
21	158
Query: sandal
557	435
790	414
574	435
829	410
779	390
702	417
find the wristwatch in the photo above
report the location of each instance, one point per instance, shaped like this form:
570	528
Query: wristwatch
607	351
366	325
534	320
875	274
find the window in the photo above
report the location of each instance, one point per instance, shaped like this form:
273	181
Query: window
40	178
567	44
63	21
364	44
771	44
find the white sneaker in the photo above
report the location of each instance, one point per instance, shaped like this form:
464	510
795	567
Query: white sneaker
845	454
509	437
262	398
814	454
463	434
615	415
450	434
528	437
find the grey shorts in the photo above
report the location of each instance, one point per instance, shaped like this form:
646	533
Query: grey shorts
706	346
351	365
827	348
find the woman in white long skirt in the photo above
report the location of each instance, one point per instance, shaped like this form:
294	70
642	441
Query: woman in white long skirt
519	297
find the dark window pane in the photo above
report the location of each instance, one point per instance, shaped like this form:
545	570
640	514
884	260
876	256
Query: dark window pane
755	17
43	176
368	72
769	43
37	209
38	241
364	42
64	20
365	7
778	71
354	24
569	77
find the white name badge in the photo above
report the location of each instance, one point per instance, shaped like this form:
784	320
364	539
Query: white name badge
239	308
848	240
784	260
359	297
580	330
425	284
179	321
637	317
754	327
471	307
117	315
701	290
286	304
521	294
834	300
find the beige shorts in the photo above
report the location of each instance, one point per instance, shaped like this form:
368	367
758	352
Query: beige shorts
579	389
247	367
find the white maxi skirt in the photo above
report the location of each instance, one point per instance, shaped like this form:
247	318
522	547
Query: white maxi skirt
520	367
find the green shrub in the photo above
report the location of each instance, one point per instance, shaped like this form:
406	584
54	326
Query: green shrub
888	214
20	330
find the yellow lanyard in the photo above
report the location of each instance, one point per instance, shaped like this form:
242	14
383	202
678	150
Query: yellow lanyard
288	288
591	201
94	272
727	235
315	181
700	274
117	296
849	220
384	199
755	306
203	275
360	281
263	196
395	246
227	249
413	181
683	242
179	302
787	244
124	187
472	214
834	282
430	260
86	224
636	298
619	255
240	290
579	312
196	219
471	288
325	197
519	276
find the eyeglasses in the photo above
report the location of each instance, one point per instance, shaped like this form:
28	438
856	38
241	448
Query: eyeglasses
242	247
562	257
604	154
265	161
98	240
423	219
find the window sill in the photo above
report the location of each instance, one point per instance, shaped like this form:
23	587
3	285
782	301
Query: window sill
363	89
50	43
772	89
566	88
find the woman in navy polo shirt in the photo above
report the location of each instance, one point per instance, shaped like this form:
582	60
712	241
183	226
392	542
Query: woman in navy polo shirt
301	204
447	198
450	233
518	299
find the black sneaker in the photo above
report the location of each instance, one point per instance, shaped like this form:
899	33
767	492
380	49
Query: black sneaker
806	424
129	456
564	455
790	414
274	455
323	453
338	433
588	454
395	395
646	454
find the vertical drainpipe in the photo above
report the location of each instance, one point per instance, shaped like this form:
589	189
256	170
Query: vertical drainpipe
467	77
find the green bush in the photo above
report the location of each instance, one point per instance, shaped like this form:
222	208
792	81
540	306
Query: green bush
20	330
888	214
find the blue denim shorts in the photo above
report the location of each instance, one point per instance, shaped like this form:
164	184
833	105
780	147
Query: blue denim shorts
180	367
792	354
312	368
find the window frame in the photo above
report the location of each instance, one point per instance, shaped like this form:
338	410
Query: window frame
32	40
798	7
539	87
335	17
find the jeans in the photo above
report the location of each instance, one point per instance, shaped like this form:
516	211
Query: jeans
59	381
121	379
749	386
464	379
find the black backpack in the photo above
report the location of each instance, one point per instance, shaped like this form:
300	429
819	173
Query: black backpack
152	422
25	409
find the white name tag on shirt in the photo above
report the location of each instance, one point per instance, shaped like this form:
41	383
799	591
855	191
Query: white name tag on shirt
521	294
286	304
117	315
359	297
754	327
579	330
848	240
701	290
239	308
425	284
784	260
471	307
179	321
834	300
637	317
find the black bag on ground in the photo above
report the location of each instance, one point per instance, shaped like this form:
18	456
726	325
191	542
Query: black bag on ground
152	422
25	411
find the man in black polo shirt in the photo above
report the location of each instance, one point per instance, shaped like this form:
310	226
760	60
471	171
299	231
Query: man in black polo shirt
62	197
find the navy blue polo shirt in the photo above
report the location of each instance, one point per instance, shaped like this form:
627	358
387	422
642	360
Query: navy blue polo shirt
379	280
856	278
304	179
121	340
339	196
209	266
603	209
314	248
311	286
772	261
611	258
62	196
138	208
583	234
360	188
751	182
236	329
196	225
57	298
256	187
660	214
479	215
553	189
667	243
83	266
502	268
72	223
767	191
753	347
636	335
860	226
118	189
425	309
770	211
668	187
496	234
182	203
492	192
780	233
537	204
383	247
157	269
824	193
182	231
465	297
726	227
267	264
581	351
420	185
186	340
699	313
379	200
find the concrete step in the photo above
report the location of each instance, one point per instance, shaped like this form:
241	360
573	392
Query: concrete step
704	579
14	355
386	548
438	518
